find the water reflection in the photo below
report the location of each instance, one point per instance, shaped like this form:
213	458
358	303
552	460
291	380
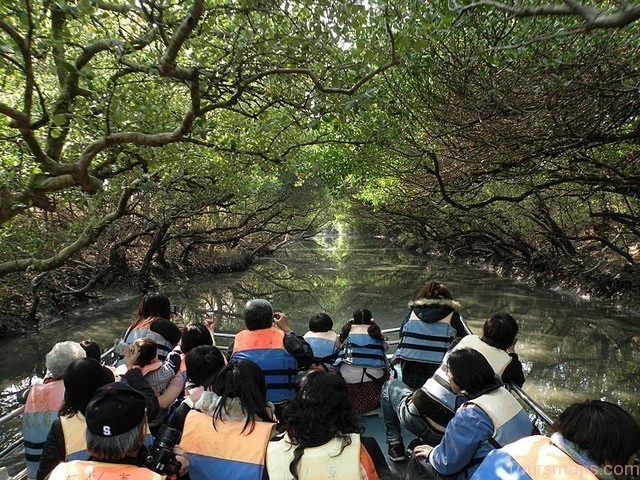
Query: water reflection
571	349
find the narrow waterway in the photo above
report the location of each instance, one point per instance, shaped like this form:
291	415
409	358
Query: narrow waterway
572	349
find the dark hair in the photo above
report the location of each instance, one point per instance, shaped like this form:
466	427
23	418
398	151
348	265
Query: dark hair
500	330
153	305
320	411
91	348
320	322
194	335
434	290
607	432
258	314
203	364
362	317
148	349
471	371
244	380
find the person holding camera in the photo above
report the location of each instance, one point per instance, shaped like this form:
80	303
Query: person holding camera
270	342
116	430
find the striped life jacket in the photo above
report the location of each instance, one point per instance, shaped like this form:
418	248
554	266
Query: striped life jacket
510	421
324	346
40	411
362	350
531	458
225	449
438	387
423	341
325	462
266	348
143	330
83	470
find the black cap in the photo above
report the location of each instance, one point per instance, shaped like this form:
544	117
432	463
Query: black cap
115	408
81	380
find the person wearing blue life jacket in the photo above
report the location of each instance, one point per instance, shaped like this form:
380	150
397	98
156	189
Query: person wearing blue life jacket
362	360
488	417
271	343
592	440
426	411
426	333
44	399
153	320
323	340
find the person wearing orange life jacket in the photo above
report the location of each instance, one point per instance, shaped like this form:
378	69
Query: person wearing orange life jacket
591	440
232	445
432	323
65	440
488	417
44	400
153	321
426	412
322	339
362	361
269	341
116	429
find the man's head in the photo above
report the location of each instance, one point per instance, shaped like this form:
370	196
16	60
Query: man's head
258	314
116	422
61	356
500	330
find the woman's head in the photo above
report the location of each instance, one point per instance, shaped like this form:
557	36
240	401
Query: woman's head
81	380
320	322
203	364
362	317
154	305
194	335
470	371
242	380
434	290
500	330
147	349
605	431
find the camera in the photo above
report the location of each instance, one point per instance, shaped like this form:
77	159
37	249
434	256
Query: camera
174	309
160	457
118	348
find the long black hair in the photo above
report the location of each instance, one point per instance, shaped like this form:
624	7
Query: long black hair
362	317
472	372
244	380
153	305
320	412
203	364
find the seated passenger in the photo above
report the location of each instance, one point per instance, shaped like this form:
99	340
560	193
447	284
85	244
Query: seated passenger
488	418
426	333
233	445
66	440
362	361
426	412
116	426
322	439
270	342
322	339
44	400
591	440
153	321
92	349
203	364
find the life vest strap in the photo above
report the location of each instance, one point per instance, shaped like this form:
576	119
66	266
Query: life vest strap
423	336
427	348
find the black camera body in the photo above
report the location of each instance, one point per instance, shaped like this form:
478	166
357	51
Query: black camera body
160	457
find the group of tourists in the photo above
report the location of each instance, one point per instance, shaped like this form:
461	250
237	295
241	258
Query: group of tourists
283	406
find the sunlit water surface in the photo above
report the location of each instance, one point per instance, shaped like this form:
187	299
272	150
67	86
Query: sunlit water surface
571	349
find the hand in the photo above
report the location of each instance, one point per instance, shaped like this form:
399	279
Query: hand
422	450
210	323
281	321
131	354
181	458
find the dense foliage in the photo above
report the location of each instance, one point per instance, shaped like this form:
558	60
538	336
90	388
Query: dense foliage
150	135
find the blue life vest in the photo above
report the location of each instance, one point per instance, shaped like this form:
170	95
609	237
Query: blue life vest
425	342
362	350
144	331
266	348
324	347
